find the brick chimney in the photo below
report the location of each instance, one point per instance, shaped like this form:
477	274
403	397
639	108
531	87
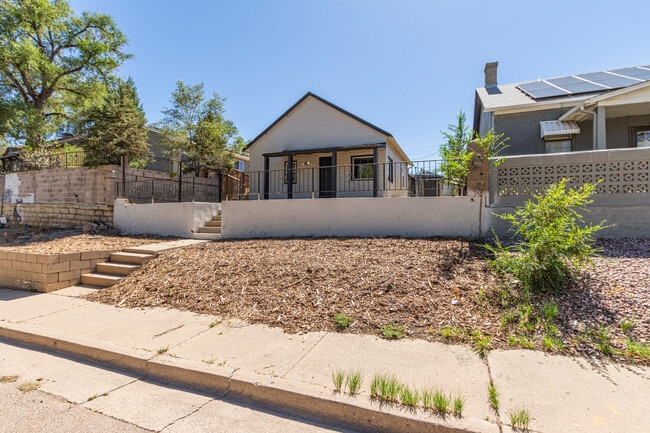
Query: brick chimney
491	74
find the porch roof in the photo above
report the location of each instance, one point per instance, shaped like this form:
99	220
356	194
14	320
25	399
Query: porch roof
326	150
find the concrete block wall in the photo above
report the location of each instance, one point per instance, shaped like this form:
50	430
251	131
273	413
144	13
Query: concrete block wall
47	272
60	215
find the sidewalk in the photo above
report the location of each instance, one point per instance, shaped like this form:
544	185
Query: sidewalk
294	371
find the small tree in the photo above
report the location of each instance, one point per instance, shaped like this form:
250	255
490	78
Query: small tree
197	129
456	157
488	147
117	127
554	242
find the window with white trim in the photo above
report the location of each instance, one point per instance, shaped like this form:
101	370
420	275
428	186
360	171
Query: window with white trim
557	146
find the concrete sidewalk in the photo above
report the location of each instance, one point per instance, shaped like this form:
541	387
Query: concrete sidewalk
294	371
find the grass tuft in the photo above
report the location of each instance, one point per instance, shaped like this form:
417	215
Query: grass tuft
459	404
8	379
493	396
627	325
392	331
449	332
385	387
638	349
408	397
481	343
338	377
520	419
163	350
602	340
342	321
353	382
549	309
440	401
29	386
552	343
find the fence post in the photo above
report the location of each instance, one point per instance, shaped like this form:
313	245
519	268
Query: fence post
313	187
193	195
289	175
220	191
180	180
152	195
375	174
266	177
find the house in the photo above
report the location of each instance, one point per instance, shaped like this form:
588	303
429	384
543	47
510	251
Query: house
317	149
588	111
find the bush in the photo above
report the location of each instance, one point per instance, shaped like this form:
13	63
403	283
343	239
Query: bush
553	242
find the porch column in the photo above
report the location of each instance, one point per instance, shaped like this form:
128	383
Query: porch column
375	172
334	173
601	142
289	175
266	177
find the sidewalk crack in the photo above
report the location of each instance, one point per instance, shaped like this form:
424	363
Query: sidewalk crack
303	356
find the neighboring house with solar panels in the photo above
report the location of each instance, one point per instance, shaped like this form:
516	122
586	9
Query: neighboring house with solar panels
589	111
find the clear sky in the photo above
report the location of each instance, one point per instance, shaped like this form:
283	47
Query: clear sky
406	66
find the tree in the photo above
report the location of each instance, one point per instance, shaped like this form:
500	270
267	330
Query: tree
456	157
53	64
195	128
117	127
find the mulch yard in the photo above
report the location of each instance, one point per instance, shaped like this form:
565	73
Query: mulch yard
421	284
32	240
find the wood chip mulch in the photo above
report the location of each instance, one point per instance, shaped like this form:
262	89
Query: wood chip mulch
32	240
422	284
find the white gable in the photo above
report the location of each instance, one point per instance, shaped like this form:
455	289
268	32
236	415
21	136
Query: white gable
314	125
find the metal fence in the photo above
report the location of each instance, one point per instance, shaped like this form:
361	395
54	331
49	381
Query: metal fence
414	179
46	161
162	190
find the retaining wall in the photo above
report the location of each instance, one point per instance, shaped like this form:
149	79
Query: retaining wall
47	272
165	219
59	215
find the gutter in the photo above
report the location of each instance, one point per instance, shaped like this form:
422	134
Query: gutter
595	133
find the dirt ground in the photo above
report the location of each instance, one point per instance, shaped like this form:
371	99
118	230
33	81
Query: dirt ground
32	240
423	285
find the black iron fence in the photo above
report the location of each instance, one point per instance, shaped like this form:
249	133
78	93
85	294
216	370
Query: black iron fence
45	161
414	179
163	190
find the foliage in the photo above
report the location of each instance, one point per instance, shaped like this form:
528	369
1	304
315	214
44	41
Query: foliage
385	387
342	321
117	127
353	381
459	404
440	401
338	377
196	129
602	340
456	158
392	331
520	419
637	348
553	241
408	397
627	325
481	343
53	64
493	396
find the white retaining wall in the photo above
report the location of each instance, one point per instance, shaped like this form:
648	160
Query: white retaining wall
402	216
165	219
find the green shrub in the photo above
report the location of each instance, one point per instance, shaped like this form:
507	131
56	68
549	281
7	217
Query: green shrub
342	321
553	241
392	331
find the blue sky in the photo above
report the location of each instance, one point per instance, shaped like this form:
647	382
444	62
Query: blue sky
406	66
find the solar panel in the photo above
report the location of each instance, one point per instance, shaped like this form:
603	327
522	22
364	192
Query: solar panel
576	84
540	89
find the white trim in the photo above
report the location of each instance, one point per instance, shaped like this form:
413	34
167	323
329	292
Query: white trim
596	99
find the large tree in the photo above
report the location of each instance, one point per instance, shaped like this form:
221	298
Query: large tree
53	63
456	157
196	130
117	127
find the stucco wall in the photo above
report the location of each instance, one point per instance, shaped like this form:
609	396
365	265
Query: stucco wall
402	216
166	219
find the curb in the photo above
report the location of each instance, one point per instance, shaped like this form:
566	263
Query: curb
298	398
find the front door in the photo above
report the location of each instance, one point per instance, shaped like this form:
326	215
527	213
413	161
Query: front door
325	184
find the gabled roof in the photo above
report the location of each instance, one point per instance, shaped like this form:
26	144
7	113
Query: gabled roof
336	107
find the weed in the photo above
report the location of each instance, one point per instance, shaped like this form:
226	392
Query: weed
353	382
549	309
342	321
459	404
602	340
513	341
392	331
338	377
449	332
440	401
525	342
163	350
8	379
91	398
482	300
507	318
213	324
553	343
627	325
408	397
385	387
426	397
29	386
481	343
520	419
493	396
551	330
637	348
210	361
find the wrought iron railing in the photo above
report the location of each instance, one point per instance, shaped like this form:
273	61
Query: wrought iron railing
414	179
25	162
163	190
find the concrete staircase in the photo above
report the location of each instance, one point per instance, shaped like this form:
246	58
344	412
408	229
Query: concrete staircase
121	264
210	231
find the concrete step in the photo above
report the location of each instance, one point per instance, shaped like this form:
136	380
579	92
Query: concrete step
161	247
213	223
207	229
99	279
126	257
206	236
116	268
216	218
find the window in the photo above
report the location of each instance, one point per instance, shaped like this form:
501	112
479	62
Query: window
641	137
558	146
390	170
293	173
362	167
239	165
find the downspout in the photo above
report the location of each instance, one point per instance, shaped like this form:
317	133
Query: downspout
595	133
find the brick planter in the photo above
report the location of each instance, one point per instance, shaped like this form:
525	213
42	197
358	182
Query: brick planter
47	272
